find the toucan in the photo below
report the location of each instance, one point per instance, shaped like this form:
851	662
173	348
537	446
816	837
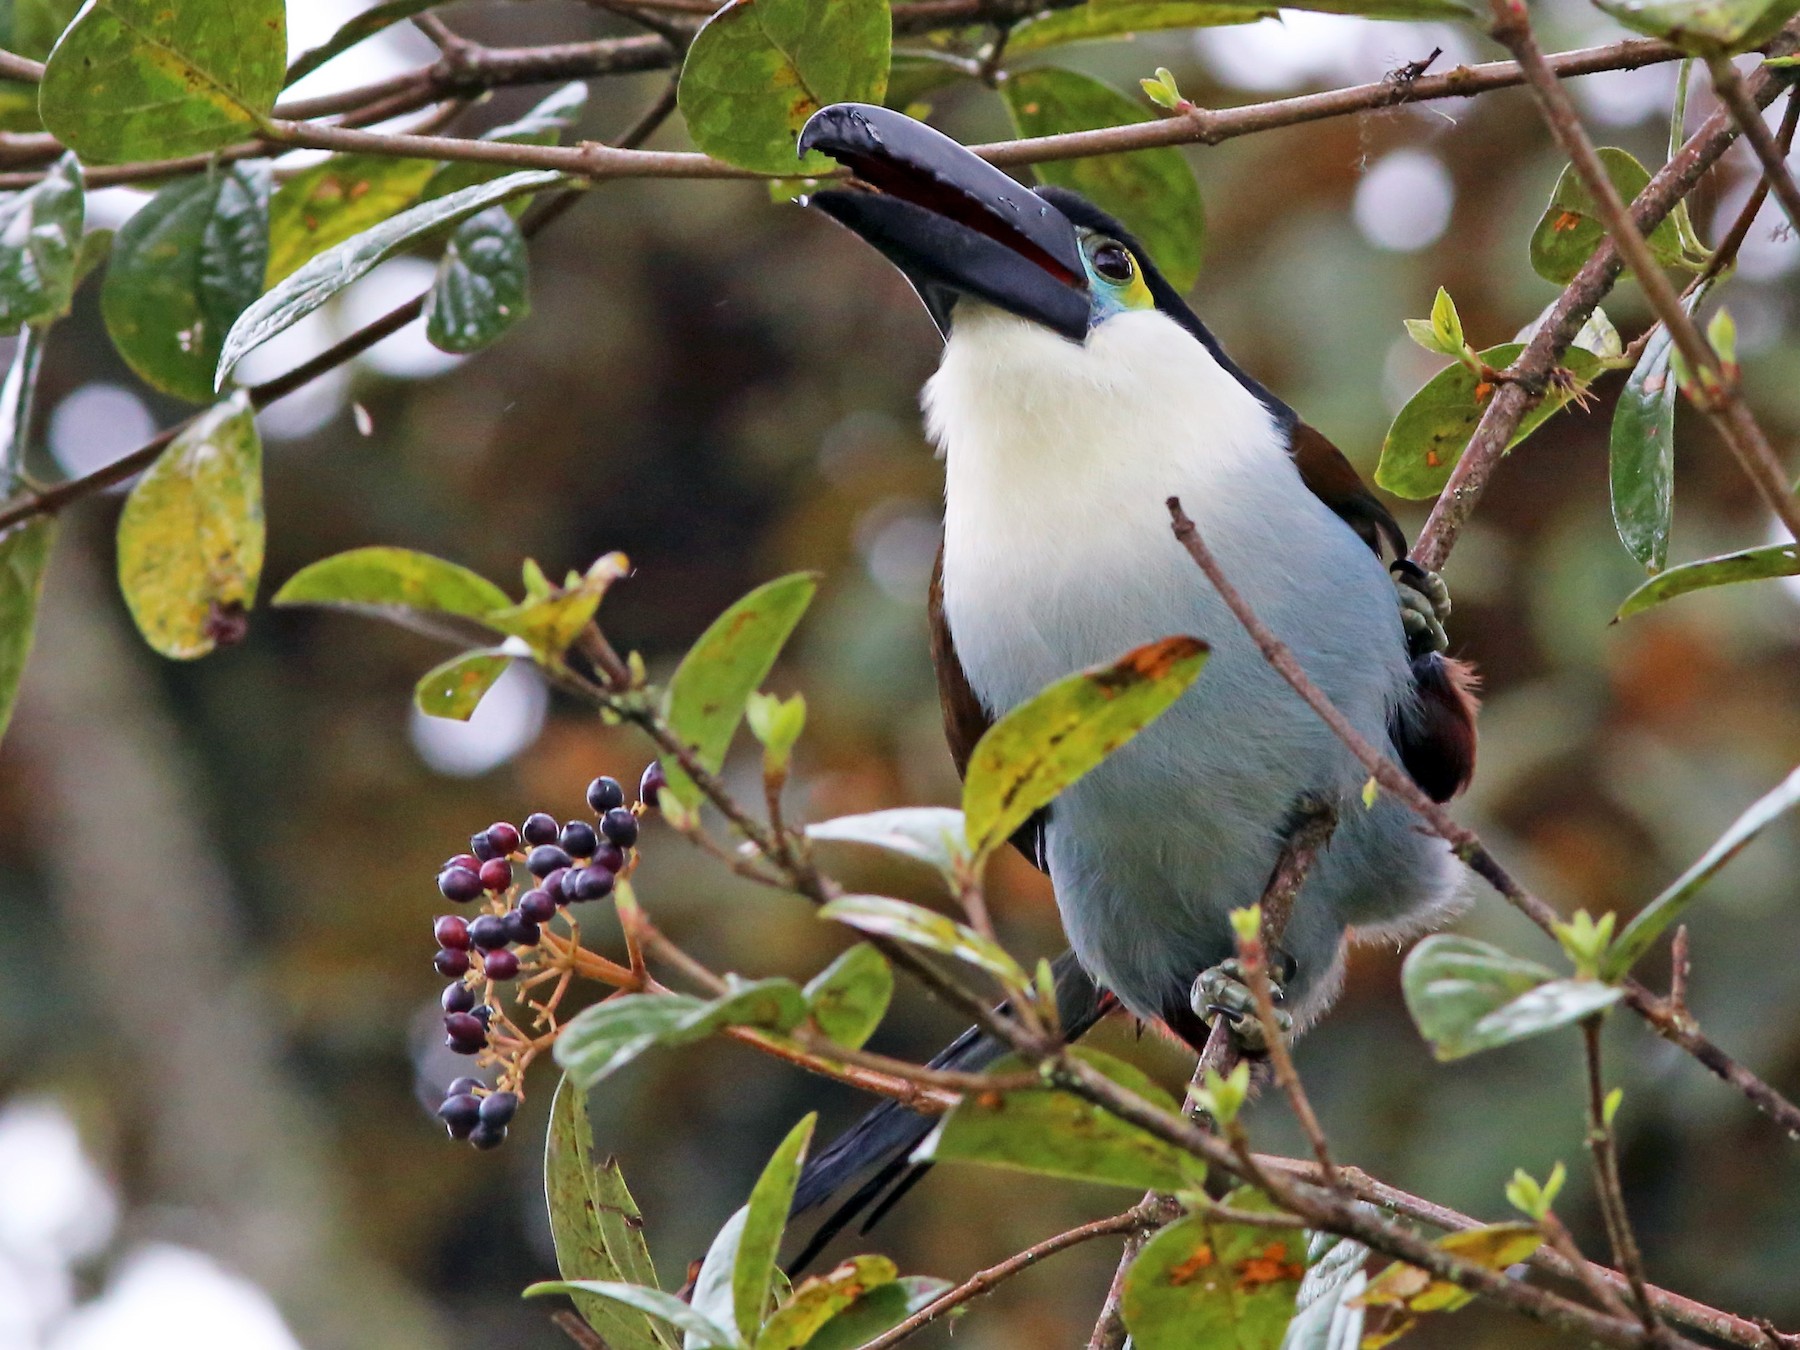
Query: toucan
1076	394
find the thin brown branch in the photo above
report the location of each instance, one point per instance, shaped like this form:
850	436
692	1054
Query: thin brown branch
1604	1152
22	68
1729	85
571	1325
984	1281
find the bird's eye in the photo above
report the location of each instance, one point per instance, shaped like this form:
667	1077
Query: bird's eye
1112	260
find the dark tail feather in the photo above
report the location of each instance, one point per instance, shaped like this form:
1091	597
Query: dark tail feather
888	1135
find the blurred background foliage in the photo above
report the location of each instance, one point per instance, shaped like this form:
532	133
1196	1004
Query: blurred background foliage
218	1025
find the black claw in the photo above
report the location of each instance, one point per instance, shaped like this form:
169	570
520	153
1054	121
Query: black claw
1285	966
1409	571
1231	1015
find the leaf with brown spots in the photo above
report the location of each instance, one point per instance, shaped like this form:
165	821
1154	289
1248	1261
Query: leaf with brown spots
1204	1285
818	1300
1570	229
1408	1291
1052	739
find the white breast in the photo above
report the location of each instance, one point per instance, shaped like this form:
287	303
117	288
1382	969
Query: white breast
1058	555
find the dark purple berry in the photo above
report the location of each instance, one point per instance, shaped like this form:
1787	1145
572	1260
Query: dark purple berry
590	883
451	931
620	826
450	964
457	997
604	794
650	786
459	884
503	837
488	932
498	1108
545	859
461	1113
519	929
539	829
496	874
464	1033
485	1136
481	846
609	855
467	861
579	839
556	885
500	965
537	906
483	1014
468	1085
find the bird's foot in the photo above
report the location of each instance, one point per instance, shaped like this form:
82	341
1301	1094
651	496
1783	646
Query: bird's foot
1223	991
1424	607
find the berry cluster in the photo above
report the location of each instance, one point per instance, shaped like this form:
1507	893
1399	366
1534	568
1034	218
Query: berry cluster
566	863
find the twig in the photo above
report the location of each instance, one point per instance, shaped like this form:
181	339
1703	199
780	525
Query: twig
571	1325
1133	1220
1678	971
1626	1254
1590	1276
1729	85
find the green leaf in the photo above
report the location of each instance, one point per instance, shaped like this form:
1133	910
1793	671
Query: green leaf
934	835
1093	22
822	1298
1728	569
596	1226
550	618
1053	738
29	28
24	553
182	269
1434	427
483	284
359	29
607	1036
148	79
543	125
191	534
920	927
1054	1133
1201	1284
1392	9
324	276
1153	192
392	583
710	688
711	1296
703	1331
1705	27
849	997
765	1219
40	243
1656	916
777	724
1570	230
455	688
880	1310
1466	996
18	396
336	200
760	68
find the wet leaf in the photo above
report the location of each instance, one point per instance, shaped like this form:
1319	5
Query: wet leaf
455	688
849	997
483	284
822	1298
881	1309
607	1036
934	835
1569	230
40	245
1326	1313
1433	429
336	200
710	688
1099	21
1055	737
1204	1285
1728	569
1152	192
24	554
760	68
1055	1133
324	276
596	1226
545	124
1642	457
391	582
702	1331
183	268
1654	919
1467	996
765	1219
920	927
1705	27
366	25
147	79
191	534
